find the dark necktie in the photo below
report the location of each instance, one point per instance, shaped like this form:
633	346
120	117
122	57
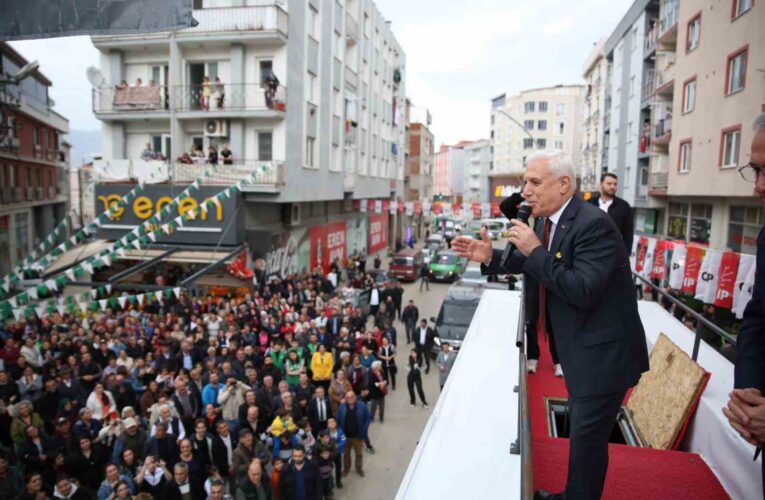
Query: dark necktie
542	321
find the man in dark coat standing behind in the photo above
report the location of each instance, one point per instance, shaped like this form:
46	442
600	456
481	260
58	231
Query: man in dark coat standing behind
586	297
746	408
619	210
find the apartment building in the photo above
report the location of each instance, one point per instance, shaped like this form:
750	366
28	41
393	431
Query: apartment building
594	151
309	95
630	53
532	120
715	90
441	178
33	161
418	181
475	185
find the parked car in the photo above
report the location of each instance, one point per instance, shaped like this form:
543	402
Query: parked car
473	276
406	265
380	276
445	265
455	315
493	229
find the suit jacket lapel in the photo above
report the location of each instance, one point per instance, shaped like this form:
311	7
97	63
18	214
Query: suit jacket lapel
564	224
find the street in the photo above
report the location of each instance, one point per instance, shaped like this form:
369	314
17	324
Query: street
396	439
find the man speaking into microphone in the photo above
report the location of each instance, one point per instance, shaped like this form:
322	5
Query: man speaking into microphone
586	297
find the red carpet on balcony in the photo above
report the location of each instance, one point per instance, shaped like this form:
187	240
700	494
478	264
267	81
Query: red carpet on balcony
633	472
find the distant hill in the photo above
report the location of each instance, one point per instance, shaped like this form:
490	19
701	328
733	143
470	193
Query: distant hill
84	142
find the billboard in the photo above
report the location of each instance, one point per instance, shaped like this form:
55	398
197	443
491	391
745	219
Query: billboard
327	245
219	226
378	233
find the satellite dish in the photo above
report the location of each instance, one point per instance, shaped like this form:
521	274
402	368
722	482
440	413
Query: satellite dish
95	77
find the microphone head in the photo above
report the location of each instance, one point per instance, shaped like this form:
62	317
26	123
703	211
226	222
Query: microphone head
510	205
524	212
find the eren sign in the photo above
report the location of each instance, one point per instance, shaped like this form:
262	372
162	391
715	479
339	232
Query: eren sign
378	233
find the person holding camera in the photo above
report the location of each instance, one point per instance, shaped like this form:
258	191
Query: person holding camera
152	476
230	398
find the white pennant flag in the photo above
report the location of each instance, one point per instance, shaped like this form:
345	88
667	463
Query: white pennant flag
87	267
61	308
179	221
14	302
103	304
152	236
51	284
32	292
18	313
83	306
106	259
227	193
61	247
109	288
121	252
158	297
122	301
69	274
195	184
40	311
165	228
159	294
6	286
73	239
97	221
203	206
140	298
136	231
136	244
177	292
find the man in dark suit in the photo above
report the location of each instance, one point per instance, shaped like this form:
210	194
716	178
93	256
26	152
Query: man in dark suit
586	297
619	210
424	336
746	408
319	411
222	449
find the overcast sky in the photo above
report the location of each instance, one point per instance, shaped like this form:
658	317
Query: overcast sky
459	55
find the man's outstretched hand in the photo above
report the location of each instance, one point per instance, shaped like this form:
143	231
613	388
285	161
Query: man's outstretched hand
472	249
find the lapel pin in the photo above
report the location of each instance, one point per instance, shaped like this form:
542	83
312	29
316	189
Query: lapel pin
558	255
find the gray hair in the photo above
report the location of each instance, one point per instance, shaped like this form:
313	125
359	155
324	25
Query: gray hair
181	466
560	163
377	365
759	123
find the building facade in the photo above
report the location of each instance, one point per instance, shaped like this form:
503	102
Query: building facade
596	72
308	94
33	162
476	179
536	119
441	178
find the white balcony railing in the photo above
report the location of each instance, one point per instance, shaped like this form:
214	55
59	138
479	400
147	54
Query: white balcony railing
229	97
669	16
351	28
268	17
267	173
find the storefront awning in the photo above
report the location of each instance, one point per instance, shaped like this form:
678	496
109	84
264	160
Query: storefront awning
181	256
75	255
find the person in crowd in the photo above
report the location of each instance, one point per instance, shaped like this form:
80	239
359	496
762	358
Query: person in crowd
321	366
212	155
205	93
387	355
101	403
378	389
300	477
222	450
226	155
271	85
254	486
66	489
414	377
219	91
153	476
181	487
354	418
618	209
108	485
410	316
161	445
445	362
424	278
338	389
319	410
424	338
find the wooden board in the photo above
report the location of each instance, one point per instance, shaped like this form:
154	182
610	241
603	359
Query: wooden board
662	400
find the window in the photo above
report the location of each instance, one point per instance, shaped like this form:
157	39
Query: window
310	142
265	146
198	4
677	221
741	7
729	146
528	143
543	106
311	92
541	143
634	38
528	124
313	22
689	95
560	109
528	107
22	235
561	128
743	228
684	163
265	68
36	136
735	77
542	124
701	224
632	85
693	36
559	145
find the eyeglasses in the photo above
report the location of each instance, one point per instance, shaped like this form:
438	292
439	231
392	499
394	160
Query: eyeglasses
751	171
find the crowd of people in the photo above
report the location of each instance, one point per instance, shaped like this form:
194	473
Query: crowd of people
268	395
197	155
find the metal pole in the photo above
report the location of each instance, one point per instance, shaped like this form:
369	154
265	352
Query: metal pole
516	122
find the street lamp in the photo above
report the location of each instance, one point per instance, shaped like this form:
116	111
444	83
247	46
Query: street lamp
516	122
7	100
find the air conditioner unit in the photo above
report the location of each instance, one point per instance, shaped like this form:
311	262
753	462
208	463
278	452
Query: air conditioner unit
291	214
30	193
216	128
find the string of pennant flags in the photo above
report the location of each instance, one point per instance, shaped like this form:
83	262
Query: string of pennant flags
140	237
45	254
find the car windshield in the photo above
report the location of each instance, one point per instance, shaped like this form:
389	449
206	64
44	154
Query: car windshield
473	273
402	261
449	224
446	258
456	314
494	226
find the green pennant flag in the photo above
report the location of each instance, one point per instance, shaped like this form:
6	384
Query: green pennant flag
61	280
132	299
149	296
79	271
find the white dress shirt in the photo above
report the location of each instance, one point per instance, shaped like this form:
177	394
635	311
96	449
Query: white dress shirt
605	204
554	218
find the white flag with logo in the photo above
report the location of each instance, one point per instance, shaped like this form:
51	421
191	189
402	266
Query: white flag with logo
378	206
485	210
409	208
426	208
648	262
677	267
706	287
742	291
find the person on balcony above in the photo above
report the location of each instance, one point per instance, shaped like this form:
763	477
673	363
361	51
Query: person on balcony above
227	155
219	92
148	153
138	82
212	155
271	84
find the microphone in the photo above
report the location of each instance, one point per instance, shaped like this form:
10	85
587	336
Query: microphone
523	212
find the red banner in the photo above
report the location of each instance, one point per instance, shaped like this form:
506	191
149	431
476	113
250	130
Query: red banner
643	244
476	208
437	208
371	206
693	258
327	245
456	208
495	211
386	206
378	233
726	281
659	269
418	207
